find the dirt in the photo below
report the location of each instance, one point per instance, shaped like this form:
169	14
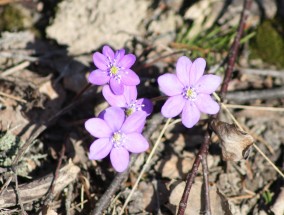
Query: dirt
45	100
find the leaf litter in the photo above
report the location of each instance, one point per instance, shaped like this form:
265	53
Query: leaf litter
52	79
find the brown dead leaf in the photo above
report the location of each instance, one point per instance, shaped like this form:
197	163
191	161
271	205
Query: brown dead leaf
235	143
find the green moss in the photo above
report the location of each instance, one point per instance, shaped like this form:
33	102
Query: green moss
269	43
9	145
11	19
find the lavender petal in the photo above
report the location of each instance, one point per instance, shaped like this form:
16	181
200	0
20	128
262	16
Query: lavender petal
173	106
119	158
196	70
136	143
206	104
170	84
182	70
98	128
208	84
100	61
190	114
100	149
112	99
98	77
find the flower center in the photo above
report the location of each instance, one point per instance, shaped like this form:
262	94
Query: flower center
114	70
133	107
189	93
118	139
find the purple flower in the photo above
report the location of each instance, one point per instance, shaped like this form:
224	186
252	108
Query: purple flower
128	100
189	91
114	68
117	136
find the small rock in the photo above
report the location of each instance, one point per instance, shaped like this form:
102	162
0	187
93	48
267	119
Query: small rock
85	25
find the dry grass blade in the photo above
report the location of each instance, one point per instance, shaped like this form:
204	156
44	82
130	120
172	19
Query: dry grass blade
145	165
259	108
15	69
254	145
13	97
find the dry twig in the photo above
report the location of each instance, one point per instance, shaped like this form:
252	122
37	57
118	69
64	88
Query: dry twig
38	188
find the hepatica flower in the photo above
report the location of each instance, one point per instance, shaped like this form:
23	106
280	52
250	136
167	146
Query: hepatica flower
114	68
128	100
189	91
117	136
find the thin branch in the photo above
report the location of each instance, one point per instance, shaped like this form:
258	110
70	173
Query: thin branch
235	47
206	183
202	152
191	175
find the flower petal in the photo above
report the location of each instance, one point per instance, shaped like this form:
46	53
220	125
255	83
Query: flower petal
98	77
98	128
107	51
119	158
136	143
182	70
100	61
112	99
146	104
196	70
173	106
208	84
119	54
130	93
129	78
114	117
134	122
100	148
206	104
116	86
190	114
170	84
127	61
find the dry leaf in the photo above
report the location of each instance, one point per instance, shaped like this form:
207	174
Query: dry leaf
235	143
